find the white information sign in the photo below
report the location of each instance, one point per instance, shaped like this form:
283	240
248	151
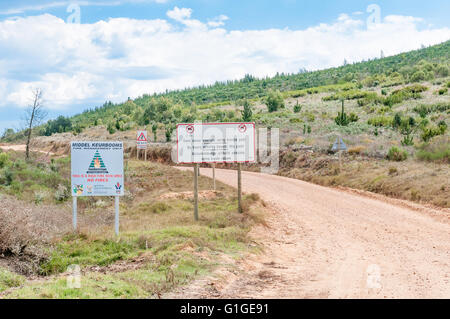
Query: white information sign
97	169
142	140
216	143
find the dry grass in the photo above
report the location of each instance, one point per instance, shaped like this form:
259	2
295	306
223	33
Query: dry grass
410	180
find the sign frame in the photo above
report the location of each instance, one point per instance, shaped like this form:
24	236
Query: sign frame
120	180
141	145
218	162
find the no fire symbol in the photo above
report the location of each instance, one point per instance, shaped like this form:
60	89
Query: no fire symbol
242	128
190	129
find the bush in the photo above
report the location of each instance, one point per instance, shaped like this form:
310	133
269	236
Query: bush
274	101
429	132
111	129
437	152
297	108
443	91
353	118
4	160
408	140
380	121
397	154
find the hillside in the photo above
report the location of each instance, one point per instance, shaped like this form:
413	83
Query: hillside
395	122
165	110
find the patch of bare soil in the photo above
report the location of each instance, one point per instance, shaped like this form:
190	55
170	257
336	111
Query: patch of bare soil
329	243
124	265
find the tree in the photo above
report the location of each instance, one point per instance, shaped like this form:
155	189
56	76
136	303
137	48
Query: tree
8	133
274	101
34	115
247	113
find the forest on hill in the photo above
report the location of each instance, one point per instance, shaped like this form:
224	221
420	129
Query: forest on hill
163	111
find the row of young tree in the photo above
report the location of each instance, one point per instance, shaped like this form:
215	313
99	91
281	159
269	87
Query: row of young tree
169	108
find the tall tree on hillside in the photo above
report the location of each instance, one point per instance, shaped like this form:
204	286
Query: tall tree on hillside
34	115
247	112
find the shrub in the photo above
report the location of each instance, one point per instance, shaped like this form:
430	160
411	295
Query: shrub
408	140
353	117
409	92
397	120
297	108
111	129
4	160
357	150
437	152
418	76
380	121
443	91
429	132
397	154
274	101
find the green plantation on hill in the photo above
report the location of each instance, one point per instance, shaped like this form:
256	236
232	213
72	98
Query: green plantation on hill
186	105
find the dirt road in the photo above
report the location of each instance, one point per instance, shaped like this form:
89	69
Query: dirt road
328	243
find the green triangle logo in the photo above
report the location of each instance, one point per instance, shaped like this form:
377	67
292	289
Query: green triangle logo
97	165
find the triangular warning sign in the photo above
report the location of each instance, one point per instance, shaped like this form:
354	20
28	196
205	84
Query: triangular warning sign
97	165
142	138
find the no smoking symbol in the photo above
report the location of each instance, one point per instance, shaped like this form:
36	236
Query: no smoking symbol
242	128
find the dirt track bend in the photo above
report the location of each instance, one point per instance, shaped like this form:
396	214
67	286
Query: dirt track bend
328	243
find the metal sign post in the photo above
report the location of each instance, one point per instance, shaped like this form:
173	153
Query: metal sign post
116	217
215	143
74	213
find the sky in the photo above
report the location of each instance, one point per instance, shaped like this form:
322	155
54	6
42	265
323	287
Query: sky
83	53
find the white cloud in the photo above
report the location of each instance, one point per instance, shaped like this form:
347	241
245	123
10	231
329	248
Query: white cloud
218	21
120	58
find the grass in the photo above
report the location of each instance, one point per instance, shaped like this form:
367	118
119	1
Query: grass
437	151
9	279
38	180
160	245
411	180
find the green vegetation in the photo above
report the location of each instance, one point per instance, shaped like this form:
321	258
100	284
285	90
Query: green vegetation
202	103
247	113
397	154
274	101
9	279
439	151
34	180
160	246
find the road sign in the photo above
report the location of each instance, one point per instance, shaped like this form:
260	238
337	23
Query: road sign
339	145
97	169
142	140
216	143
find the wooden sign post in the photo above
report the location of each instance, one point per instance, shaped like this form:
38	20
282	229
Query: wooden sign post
196	192
216	143
214	175
239	188
141	144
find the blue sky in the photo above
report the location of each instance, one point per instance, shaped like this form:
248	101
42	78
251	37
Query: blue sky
130	47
